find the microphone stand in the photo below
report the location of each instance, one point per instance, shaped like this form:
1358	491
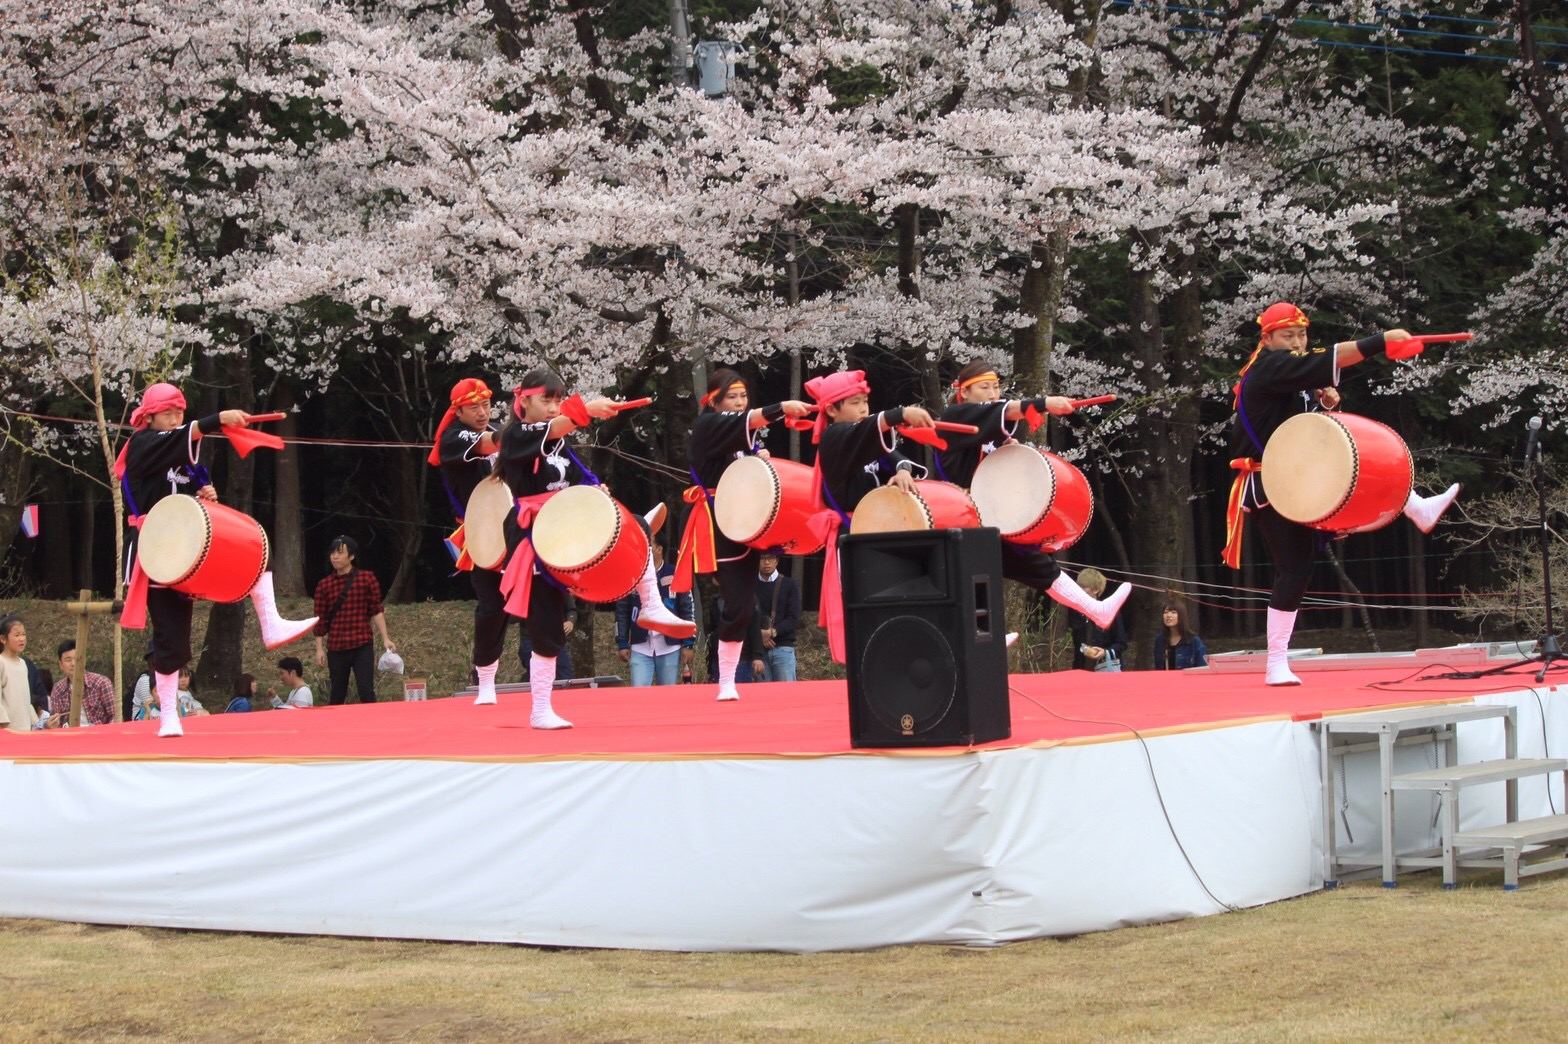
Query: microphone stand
1549	650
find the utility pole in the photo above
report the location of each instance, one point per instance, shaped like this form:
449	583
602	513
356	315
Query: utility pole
680	45
680	79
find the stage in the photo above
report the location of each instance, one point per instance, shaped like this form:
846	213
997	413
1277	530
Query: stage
666	820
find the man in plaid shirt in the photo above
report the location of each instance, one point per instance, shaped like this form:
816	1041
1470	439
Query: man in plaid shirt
97	691
348	601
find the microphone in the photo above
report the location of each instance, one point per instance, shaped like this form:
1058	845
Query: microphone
1535	435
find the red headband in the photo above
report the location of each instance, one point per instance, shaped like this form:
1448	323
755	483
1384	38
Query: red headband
470	391
718	393
989	375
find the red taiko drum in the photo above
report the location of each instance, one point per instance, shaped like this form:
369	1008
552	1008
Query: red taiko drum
202	548
933	505
484	523
590	542
1035	498
1337	471
766	503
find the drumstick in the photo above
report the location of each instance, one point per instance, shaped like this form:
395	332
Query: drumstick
962	429
631	405
259	418
1098	400
1441	338
1415	344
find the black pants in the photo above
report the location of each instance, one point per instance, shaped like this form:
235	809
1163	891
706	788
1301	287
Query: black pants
490	617
1293	548
546	620
1029	566
170	612
362	662
738	588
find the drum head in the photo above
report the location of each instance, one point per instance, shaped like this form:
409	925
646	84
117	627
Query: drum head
1013	487
174	539
575	527
484	523
889	509
746	500
1309	467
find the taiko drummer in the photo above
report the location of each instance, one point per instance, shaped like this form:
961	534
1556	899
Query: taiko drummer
536	461
978	401
159	460
726	430
1283	378
465	448
857	452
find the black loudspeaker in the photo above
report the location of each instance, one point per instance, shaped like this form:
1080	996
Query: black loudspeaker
924	637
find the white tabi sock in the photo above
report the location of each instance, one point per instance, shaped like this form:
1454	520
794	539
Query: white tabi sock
1065	589
1425	511
541	682
729	660
487	682
1281	624
275	631
168	689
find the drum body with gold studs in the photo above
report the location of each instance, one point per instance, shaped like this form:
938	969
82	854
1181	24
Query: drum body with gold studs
1337	472
1035	498
202	548
766	503
591	542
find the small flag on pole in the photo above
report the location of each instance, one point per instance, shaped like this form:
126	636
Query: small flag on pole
30	520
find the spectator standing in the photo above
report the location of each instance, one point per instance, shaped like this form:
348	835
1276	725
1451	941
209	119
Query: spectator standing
654	658
291	673
1096	648
97	691
778	604
1177	648
16	694
348	603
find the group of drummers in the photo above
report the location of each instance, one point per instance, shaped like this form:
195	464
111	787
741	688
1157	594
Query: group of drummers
535	524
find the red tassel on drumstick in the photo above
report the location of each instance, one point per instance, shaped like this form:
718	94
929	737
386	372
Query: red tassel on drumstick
1034	418
932	436
1415	344
245	439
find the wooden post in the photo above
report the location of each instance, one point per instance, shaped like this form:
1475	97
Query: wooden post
83	610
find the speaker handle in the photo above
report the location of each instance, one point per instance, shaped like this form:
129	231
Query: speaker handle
982	585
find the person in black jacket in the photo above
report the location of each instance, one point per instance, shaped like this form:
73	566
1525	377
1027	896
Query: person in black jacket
778	605
978	401
856	453
1096	648
1283	378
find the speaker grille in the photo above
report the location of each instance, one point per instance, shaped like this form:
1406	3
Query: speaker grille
909	678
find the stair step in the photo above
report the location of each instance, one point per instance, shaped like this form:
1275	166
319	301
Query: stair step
1454	777
1525	832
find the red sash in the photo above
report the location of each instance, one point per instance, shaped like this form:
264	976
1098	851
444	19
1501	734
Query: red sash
1234	526
830	608
699	551
133	615
517	580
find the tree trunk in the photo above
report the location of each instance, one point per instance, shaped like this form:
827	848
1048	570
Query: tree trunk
225	382
16	484
288	538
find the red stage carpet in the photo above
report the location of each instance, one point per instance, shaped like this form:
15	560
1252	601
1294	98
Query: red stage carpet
805	718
